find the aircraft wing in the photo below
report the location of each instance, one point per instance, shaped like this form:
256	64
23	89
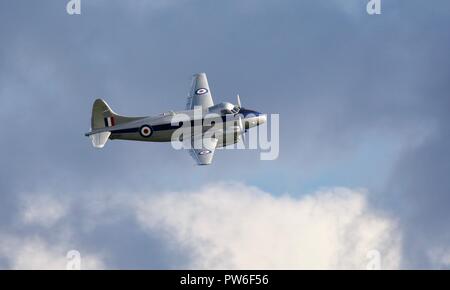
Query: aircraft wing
200	94
205	154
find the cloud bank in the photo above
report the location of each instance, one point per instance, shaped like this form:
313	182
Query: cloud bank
35	253
240	227
221	226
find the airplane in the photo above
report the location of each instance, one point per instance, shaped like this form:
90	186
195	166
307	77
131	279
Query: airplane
236	120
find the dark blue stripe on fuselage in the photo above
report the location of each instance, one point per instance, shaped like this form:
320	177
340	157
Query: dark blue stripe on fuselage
161	127
121	131
169	126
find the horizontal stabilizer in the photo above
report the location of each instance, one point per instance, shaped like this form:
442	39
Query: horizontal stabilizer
99	139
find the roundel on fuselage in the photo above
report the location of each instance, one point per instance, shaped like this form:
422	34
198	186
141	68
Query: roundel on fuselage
145	131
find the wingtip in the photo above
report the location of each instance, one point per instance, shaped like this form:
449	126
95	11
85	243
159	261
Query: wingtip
199	74
203	164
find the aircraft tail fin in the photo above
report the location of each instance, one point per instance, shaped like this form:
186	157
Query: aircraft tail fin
103	116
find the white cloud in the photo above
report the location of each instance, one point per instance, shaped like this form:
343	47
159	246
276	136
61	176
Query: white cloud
43	210
35	253
236	226
219	227
39	251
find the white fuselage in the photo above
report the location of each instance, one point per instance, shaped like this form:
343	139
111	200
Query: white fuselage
163	127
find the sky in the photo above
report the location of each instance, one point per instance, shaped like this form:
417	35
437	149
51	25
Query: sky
363	102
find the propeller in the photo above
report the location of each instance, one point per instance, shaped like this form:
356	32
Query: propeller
240	123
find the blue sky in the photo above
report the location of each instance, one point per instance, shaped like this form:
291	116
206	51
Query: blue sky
363	103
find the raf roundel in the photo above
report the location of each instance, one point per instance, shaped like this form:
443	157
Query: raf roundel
201	91
145	131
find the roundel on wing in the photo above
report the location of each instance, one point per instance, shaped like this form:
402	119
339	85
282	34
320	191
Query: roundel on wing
145	131
201	91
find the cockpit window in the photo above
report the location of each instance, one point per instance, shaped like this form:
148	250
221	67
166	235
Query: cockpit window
230	110
235	110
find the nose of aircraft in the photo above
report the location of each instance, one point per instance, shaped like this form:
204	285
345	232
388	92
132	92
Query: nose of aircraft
262	119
